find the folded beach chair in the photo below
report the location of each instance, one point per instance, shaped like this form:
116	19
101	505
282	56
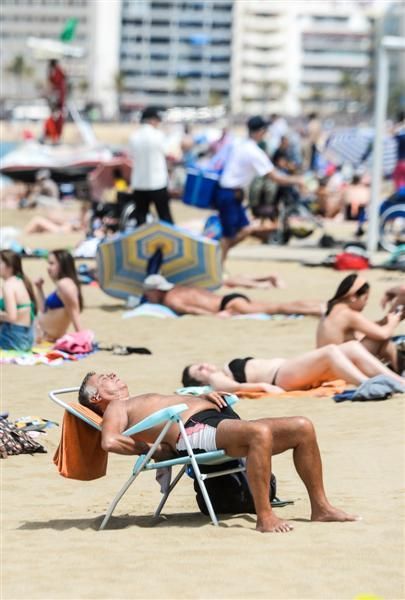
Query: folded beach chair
166	416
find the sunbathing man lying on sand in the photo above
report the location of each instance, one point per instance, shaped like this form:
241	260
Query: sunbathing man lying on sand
220	428
196	301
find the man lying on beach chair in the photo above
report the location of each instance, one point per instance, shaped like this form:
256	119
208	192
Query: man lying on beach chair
185	300
211	424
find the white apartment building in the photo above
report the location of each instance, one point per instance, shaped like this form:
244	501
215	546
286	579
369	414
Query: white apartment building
91	77
294	57
175	53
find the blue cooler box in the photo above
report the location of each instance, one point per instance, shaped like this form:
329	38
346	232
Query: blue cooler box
200	187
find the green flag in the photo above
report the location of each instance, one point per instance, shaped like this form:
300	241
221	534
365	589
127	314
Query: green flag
69	30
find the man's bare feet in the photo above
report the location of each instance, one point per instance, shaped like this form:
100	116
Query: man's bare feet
273	524
330	513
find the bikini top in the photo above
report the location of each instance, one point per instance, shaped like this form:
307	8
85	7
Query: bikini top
53	301
237	368
29	305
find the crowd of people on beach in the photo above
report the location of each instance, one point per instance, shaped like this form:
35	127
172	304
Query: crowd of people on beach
348	345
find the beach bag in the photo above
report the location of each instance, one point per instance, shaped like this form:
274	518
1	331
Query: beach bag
201	186
229	494
345	261
15	441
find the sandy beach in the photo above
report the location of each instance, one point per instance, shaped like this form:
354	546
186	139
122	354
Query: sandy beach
50	546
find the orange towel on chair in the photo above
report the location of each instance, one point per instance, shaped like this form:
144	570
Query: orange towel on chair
79	454
326	390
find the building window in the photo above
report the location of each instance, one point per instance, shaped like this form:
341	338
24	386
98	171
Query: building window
158	5
132	21
223	7
158	56
186	24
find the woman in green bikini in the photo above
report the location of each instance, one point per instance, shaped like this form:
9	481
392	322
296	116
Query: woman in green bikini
17	304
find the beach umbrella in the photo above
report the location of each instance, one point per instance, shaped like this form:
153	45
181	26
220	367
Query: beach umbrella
186	259
348	145
102	177
355	146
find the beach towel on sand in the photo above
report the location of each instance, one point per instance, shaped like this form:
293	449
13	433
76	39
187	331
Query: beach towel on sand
158	310
79	454
326	390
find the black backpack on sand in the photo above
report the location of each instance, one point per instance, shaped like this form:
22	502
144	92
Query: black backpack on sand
229	494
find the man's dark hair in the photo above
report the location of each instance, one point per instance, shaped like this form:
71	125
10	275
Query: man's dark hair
187	380
87	392
151	112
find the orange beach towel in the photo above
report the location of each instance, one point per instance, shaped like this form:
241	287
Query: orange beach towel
79	454
326	390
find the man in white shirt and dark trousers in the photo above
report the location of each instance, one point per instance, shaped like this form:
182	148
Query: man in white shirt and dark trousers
149	175
246	161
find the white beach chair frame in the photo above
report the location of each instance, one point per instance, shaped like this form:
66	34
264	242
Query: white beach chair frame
145	462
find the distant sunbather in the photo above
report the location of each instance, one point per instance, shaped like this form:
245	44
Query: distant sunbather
349	361
219	427
56	222
247	281
196	301
343	321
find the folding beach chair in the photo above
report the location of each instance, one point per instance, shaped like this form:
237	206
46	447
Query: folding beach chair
168	416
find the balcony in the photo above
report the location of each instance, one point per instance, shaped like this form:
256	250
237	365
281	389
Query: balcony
336	60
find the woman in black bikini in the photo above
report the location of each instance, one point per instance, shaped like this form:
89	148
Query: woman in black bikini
349	361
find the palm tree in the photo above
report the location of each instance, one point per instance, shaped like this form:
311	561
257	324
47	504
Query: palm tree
19	69
119	86
353	91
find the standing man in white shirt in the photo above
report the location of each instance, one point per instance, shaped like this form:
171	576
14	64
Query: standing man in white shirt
149	175
245	162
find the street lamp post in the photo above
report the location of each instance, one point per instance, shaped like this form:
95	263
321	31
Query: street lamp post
386	44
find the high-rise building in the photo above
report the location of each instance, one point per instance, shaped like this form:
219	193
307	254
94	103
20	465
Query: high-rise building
175	53
91	77
394	24
294	57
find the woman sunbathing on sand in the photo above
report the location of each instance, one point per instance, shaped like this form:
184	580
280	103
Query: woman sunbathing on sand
349	361
63	306
343	321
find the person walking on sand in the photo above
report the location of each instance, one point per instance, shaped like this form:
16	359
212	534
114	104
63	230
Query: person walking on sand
219	428
245	161
149	177
196	301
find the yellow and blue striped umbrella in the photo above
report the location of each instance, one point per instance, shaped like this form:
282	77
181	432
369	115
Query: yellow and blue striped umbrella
187	259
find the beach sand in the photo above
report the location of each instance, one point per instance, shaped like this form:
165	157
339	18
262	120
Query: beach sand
50	545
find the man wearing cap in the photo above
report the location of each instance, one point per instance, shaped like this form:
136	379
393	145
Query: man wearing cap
245	162
149	174
195	301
